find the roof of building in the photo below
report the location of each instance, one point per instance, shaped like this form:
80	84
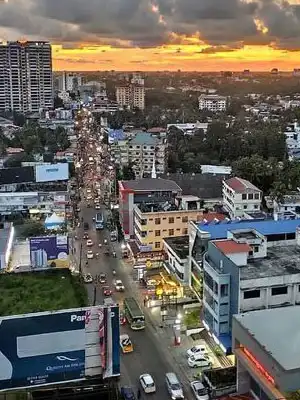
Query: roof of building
205	186
16	175
283	260
265	227
241	185
156	130
116	134
144	138
179	244
229	246
4	234
284	342
151	184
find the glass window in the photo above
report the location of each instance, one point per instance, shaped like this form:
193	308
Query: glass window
157	233
279	290
252	294
185	219
256	196
224	290
185	231
171	232
171	220
250	196
157	221
244	196
157	245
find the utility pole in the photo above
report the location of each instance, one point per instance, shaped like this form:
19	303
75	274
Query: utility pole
80	259
95	295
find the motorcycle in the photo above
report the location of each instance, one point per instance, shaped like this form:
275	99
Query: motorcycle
114	272
114	254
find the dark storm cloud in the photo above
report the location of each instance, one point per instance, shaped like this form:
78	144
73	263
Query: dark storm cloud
124	23
219	49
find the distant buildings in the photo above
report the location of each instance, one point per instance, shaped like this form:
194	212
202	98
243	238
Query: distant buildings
69	81
241	197
212	102
131	95
274	71
25	76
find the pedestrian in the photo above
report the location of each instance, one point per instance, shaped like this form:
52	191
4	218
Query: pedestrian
145	302
138	393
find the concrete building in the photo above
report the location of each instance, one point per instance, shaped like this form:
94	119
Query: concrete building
241	274
69	81
177	254
154	222
266	345
277	233
212	102
240	196
131	95
141	149
287	207
157	191
25	76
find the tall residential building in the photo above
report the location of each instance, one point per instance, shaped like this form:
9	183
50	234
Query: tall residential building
69	81
25	76
131	95
212	102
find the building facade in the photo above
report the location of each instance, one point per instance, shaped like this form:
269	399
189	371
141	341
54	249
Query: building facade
131	95
25	76
240	274
212	102
241	196
265	349
69	81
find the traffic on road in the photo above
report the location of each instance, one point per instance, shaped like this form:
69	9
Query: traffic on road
146	366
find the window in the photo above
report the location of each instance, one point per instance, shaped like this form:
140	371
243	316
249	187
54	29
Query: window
244	197
276	291
185	231
252	294
250	196
171	220
157	233
256	249
185	219
157	221
224	290
157	245
256	196
255	206
245	207
171	232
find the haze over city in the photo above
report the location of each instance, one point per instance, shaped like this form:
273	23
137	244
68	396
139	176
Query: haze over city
206	35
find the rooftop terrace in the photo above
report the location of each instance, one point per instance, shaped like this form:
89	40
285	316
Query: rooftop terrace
179	244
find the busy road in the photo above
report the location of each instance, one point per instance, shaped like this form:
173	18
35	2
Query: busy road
150	354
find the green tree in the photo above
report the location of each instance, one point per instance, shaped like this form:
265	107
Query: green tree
128	173
31	228
16	160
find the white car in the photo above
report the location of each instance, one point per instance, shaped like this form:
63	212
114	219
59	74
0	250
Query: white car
198	349
199	390
89	254
88	278
89	197
89	243
119	285
147	383
97	207
199	361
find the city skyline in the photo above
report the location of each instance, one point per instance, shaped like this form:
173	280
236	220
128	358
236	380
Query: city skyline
151	35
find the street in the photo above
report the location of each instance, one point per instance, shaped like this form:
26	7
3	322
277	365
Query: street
151	352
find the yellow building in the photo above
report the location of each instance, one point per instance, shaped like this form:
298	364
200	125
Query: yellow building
154	222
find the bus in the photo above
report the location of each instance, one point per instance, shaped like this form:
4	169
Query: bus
99	221
133	313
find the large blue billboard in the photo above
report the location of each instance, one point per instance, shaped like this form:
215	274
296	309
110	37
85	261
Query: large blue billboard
49	251
39	349
52	172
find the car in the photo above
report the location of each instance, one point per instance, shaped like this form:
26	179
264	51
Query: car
88	278
85	236
86	226
97	200
126	344
198	349
174	386
97	207
122	318
119	285
199	361
89	243
199	390
78	209
127	393
89	254
89	197
147	383
106	291
89	191
102	278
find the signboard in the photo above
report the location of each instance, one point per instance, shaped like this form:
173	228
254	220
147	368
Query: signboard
49	251
52	172
57	347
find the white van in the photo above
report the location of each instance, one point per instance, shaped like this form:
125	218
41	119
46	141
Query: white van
174	387
199	360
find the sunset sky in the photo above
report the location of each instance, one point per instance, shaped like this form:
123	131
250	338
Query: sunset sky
203	35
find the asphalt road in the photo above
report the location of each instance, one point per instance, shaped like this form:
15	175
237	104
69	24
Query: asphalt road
148	355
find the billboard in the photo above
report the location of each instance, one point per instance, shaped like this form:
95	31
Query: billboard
57	347
49	251
52	172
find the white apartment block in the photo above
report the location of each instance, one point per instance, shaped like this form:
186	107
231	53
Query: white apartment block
212	102
131	96
241	196
25	76
292	136
69	81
